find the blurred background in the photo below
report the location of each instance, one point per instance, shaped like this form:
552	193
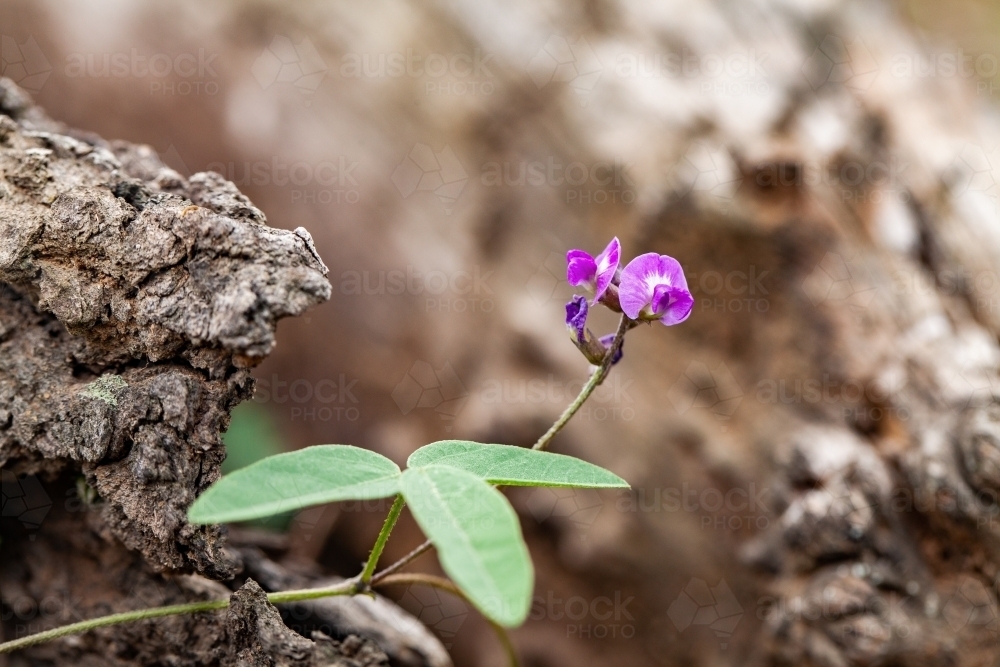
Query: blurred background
445	155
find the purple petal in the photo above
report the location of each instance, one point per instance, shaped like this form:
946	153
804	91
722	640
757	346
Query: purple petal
606	266
672	304
576	317
606	342
661	299
580	268
673	271
634	291
642	276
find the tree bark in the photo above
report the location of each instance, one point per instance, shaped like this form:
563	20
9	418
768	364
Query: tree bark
133	304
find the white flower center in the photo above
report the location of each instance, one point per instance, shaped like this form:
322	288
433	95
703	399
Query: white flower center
655	279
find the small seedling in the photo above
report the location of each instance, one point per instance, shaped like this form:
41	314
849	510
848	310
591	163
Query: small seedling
452	487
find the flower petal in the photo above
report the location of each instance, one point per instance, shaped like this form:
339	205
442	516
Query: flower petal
576	317
675	303
637	281
606	267
581	268
671	269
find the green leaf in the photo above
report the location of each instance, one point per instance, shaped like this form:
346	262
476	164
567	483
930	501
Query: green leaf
478	539
252	436
310	476
516	466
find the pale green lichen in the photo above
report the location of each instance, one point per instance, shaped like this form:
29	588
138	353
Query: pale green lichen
106	388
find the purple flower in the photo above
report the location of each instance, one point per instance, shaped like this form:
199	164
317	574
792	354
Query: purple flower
653	287
576	322
576	318
595	273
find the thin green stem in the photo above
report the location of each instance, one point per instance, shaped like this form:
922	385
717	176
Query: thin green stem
113	619
383	537
348	587
402	562
446	585
596	378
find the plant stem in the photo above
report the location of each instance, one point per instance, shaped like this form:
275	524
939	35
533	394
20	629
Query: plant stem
113	619
596	378
348	587
402	562
448	586
383	537
345	588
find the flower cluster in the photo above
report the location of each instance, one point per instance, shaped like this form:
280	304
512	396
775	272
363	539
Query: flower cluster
651	287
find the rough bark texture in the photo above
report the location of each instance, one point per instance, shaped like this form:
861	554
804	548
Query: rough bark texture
259	638
133	303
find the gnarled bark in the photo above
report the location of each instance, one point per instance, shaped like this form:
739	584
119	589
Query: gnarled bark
133	304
